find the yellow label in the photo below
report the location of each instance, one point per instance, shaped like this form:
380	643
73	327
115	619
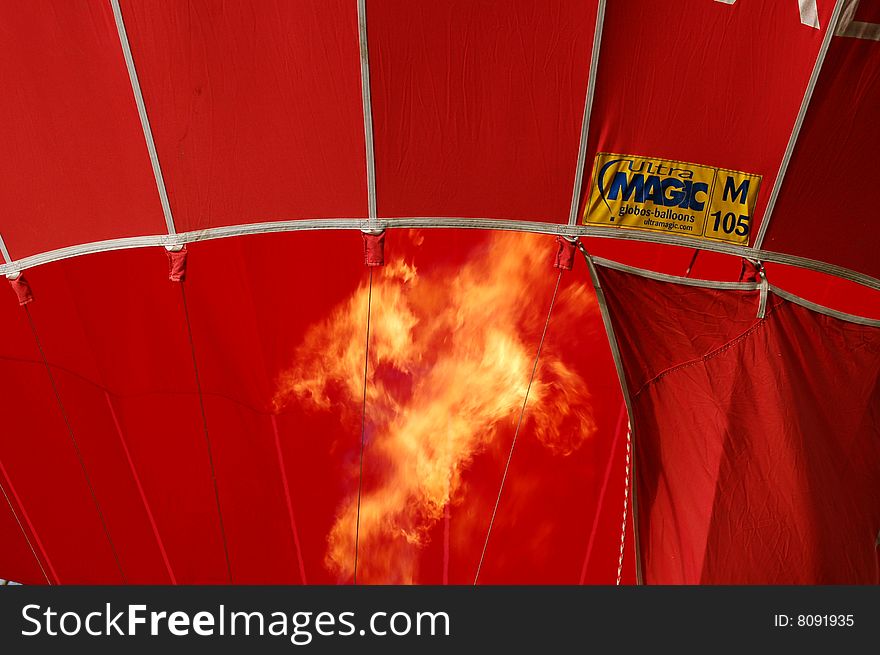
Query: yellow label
661	195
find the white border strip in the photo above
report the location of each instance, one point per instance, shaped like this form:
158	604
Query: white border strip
368	109
861	30
732	249
142	112
737	286
663	277
588	110
424	222
4	251
821	309
798	123
624	388
853	28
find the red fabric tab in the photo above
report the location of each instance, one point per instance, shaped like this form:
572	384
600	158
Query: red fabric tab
22	289
374	249
177	265
750	272
564	254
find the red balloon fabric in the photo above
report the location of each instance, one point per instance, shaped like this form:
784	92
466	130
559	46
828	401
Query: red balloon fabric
208	376
757	444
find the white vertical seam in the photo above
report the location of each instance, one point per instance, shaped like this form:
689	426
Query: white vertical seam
588	111
368	109
142	112
798	123
4	251
763	289
809	11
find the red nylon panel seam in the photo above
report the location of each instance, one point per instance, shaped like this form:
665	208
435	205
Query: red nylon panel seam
140	489
711	353
287	498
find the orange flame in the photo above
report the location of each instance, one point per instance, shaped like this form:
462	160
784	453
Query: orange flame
451	352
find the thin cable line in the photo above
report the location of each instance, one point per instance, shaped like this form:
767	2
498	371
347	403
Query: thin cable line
690	267
522	412
287	497
25	534
73	440
602	491
27	519
192	348
625	503
357	528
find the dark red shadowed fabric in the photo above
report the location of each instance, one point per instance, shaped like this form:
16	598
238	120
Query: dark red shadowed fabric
821	213
757	444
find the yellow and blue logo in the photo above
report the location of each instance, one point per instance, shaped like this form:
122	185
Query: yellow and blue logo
662	195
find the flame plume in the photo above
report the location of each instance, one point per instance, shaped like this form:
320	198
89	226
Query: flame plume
451	353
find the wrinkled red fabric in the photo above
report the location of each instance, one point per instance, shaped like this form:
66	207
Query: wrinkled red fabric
757	442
